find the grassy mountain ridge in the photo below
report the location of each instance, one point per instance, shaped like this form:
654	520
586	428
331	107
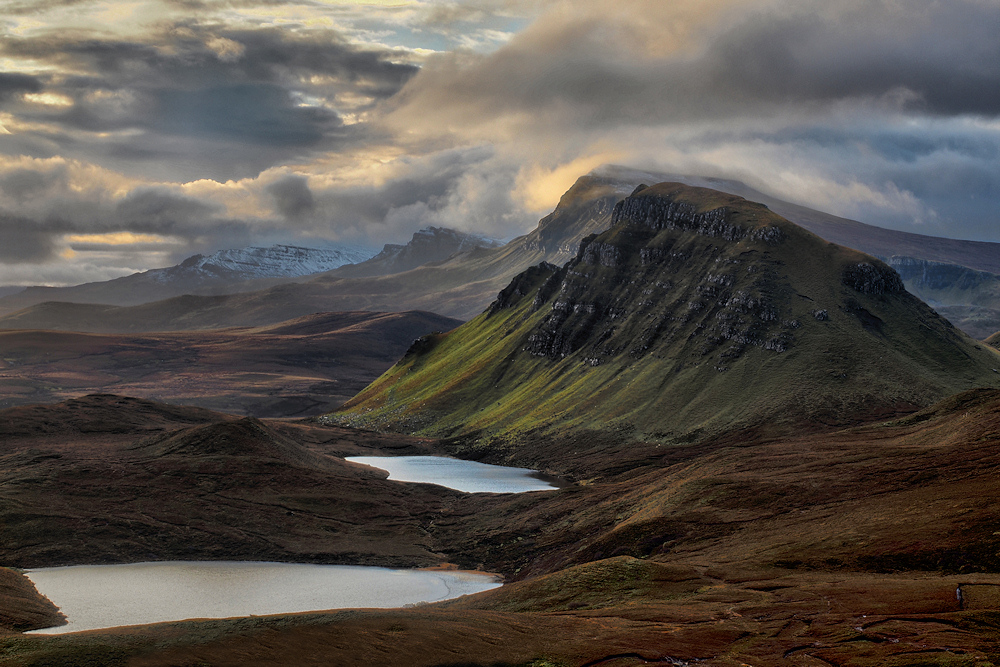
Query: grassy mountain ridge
697	311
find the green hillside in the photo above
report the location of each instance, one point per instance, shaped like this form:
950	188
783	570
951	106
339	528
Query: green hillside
696	312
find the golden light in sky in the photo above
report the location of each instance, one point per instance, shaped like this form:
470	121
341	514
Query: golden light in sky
220	124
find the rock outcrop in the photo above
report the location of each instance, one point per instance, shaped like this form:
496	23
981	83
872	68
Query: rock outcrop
696	312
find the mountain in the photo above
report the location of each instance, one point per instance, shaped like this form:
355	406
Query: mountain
253	269
969	299
696	312
457	285
433	244
460	275
222	272
870	239
306	366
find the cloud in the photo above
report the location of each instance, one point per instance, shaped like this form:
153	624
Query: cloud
292	197
194	100
765	60
869	99
151	210
24	241
16	84
220	124
24	184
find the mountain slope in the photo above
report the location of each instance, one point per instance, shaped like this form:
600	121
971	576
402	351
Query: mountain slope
222	272
878	241
969	299
698	311
433	244
458	286
459	282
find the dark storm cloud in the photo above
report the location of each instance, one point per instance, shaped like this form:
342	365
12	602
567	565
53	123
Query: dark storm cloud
292	197
946	55
156	211
23	184
922	56
26	241
16	84
239	101
261	114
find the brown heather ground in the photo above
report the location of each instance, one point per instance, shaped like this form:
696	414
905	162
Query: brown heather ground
830	548
301	367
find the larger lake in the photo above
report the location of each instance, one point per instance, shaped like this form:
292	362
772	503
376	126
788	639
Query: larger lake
468	476
105	596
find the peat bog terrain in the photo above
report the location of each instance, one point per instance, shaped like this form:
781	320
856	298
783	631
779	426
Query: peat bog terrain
773	455
305	366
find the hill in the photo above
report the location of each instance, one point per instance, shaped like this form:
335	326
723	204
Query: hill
871	239
222	272
843	547
300	367
458	275
696	312
106	478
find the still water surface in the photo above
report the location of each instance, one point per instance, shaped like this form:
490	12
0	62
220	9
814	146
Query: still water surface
105	596
468	476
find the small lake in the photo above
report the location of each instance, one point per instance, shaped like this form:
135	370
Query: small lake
468	476
106	596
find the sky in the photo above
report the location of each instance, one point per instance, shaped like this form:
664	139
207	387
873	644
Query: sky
134	134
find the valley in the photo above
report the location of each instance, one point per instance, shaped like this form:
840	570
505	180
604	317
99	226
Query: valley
769	453
845	545
305	366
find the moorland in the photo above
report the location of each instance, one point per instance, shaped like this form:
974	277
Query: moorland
774	454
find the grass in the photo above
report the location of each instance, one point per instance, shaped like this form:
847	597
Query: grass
672	371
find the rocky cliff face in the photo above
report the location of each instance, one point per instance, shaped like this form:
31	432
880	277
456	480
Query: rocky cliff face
696	311
433	244
969	299
920	275
672	276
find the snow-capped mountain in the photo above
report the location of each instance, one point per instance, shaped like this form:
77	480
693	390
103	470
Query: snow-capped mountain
222	272
277	261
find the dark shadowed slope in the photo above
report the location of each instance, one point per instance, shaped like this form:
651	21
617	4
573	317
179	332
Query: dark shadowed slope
304	366
112	479
697	311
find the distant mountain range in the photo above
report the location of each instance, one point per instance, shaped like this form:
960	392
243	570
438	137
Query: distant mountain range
970	299
696	311
222	272
458	275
